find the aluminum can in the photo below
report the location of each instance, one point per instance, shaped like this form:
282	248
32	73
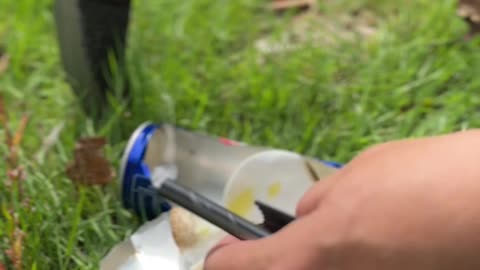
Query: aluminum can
198	161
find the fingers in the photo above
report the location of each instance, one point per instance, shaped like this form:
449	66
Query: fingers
315	195
293	247
233	254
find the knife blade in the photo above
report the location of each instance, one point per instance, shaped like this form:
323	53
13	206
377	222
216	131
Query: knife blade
274	219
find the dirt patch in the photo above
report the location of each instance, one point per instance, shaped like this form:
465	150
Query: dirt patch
313	28
469	10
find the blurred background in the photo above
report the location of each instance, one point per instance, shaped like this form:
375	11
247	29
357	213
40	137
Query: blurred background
323	78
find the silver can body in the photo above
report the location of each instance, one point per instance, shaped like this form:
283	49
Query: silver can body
201	162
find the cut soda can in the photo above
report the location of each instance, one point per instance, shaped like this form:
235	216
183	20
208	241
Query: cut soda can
231	173
201	162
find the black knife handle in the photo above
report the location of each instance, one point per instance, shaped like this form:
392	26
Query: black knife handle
212	212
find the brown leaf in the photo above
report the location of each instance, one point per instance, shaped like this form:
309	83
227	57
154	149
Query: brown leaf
284	5
469	10
4	62
89	166
92	143
2	267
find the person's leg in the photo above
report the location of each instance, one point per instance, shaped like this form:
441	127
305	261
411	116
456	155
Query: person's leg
87	31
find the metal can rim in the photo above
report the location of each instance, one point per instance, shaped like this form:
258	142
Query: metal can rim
126	154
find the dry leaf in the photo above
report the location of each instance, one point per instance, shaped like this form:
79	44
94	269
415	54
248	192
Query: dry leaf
284	5
4	61
2	267
17	138
12	141
3	112
469	10
90	167
15	252
4	123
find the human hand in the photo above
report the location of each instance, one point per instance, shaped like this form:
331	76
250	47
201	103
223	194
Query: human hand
409	204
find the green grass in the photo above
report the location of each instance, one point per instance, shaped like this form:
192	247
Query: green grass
194	63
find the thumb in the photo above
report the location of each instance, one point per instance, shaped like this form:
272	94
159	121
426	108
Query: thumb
233	254
227	240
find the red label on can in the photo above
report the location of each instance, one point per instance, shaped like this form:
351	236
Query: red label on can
229	142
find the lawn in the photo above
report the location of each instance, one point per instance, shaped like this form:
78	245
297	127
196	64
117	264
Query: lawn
196	63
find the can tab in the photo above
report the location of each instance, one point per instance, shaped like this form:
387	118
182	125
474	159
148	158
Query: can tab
164	173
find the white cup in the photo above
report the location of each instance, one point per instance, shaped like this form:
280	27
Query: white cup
276	177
